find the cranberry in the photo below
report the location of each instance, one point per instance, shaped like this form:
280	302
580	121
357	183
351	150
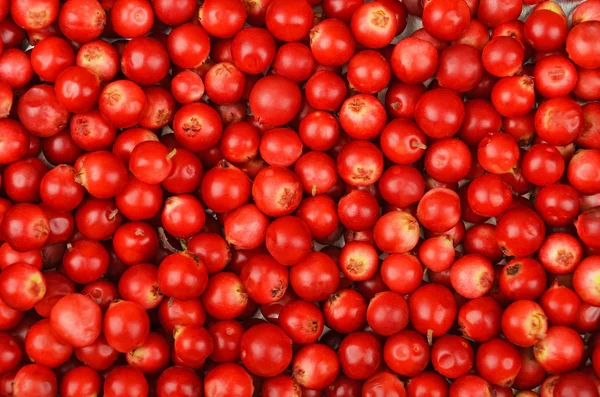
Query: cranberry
470	385
228	379
76	319
126	377
35	379
440	113
524	323
520	232
126	325
383	382
332	43
583	280
367	362
387	313
545	30
315	366
513	96
560	350
472	276
224	297
435	311
170	276
276	191
581	172
25	227
275	354
122	103
345	311
396	232
80	380
43	346
222	18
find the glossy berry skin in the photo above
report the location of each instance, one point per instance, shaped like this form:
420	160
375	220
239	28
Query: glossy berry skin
266	344
522	279
225	188
13	352
383	382
80	381
288	239
59	189
427	382
193	344
472	276
432	309
178	380
40	335
76	319
40	111
439	113
125	377
240	223
509	230
122	103
301	321
25	227
387	313
275	100
448	160
126	325
479	319
289	20
406	364
315	278
446	20
560	350
364	364
85	261
101	173
285	198
498	362
182	276
224	297
154	64
35	379
173	313
582	279
174	221
579	173
276	191
439	210
315	366
543	165
396	232
228	379
332	43
150	162
345	311
560	304
470	385
488	195
22	286
524	323
575	383
264	279
139	284
77	89
452	356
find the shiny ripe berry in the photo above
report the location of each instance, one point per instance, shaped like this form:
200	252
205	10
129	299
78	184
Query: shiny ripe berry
182	276
266	350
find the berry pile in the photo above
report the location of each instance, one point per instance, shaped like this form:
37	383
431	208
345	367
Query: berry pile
299	198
